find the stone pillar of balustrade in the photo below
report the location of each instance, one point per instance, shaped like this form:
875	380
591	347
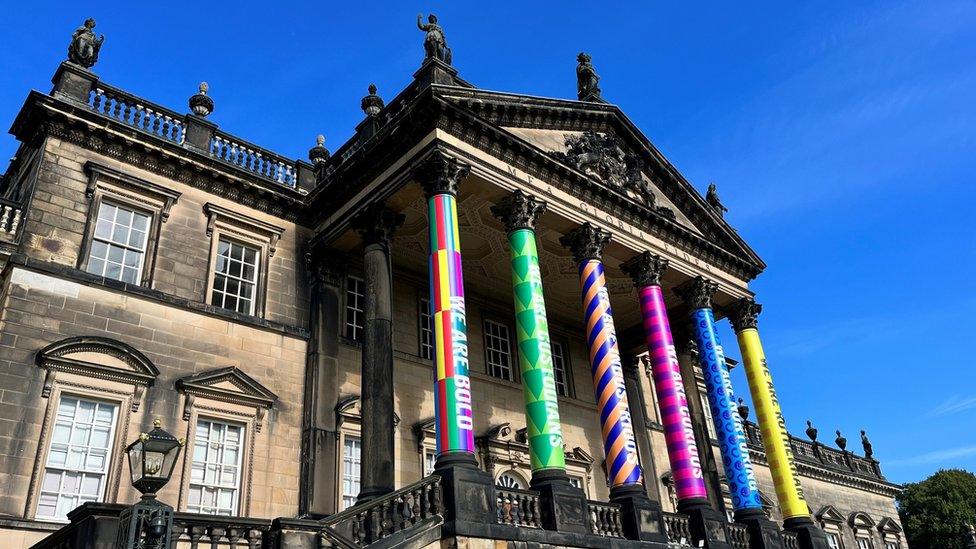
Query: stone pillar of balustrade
73	82
376	225
775	437
563	506
640	516
469	492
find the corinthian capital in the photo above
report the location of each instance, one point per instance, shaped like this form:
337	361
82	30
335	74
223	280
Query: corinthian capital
519	211
646	269
586	242
697	293
376	224
440	174
745	314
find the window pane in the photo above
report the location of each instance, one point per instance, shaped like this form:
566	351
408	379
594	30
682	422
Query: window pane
351	456
214	473
235	277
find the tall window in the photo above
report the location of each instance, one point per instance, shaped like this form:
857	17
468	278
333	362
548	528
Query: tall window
499	350
833	540
426	330
864	543
430	459
708	414
355	304
559	369
118	246
352	451
235	277
892	545
78	458
215	476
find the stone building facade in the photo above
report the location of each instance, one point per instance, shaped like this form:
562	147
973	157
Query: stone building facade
157	267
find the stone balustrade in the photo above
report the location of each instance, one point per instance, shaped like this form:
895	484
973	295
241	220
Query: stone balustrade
605	519
678	528
818	454
137	113
190	530
738	535
251	158
10	220
790	540
518	507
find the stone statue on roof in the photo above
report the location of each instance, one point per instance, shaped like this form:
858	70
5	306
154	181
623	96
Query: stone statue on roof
435	43
587	80
714	201
84	46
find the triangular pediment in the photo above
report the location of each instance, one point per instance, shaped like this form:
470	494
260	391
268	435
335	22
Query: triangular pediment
228	384
889	526
598	144
829	513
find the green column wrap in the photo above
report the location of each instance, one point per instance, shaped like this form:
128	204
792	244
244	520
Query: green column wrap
535	355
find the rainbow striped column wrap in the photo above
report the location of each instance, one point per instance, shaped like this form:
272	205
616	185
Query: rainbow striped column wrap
623	465
689	482
452	386
725	415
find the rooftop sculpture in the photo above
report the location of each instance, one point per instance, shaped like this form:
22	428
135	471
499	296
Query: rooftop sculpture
587	80
435	43
84	46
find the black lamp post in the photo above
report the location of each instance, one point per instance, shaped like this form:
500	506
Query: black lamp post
147	524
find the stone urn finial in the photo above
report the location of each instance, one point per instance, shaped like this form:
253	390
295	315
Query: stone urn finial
841	441
743	410
318	154
200	103
372	104
811	431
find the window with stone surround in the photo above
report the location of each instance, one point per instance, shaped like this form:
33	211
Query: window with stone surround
561	368
426	331
864	542
355	307
708	413
236	276
125	215
892	545
215	475
498	350
241	250
352	449
78	456
833	540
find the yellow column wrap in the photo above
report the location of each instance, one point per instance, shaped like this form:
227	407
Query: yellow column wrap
773	427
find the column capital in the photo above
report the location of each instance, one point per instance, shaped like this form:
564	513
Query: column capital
646	269
519	210
697	293
324	268
440	173
377	223
745	314
586	242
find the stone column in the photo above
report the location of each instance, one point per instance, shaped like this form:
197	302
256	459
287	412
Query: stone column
776	438
640	518
376	225
633	369
468	492
686	466
317	487
697	294
563	506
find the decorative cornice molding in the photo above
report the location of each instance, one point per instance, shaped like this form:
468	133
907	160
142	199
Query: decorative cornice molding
645	269
218	214
440	173
519	210
745	314
204	385
166	197
586	242
697	293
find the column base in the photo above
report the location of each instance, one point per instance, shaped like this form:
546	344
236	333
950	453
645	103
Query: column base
640	516
810	535
707	524
469	492
562	505
763	533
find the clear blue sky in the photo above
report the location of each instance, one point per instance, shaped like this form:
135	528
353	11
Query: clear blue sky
840	136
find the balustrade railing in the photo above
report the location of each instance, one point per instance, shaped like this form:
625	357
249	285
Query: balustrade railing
816	453
678	528
10	219
518	508
192	530
363	524
137	113
738	535
253	159
605	519
791	540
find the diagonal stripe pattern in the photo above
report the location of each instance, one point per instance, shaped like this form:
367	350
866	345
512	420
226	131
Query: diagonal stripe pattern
686	468
452	386
728	424
608	380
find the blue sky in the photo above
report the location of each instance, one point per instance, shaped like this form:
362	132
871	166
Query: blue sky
840	136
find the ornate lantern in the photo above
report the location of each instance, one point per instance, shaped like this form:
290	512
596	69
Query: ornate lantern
152	458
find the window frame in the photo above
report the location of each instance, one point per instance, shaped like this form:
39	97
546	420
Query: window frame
242	448
226	224
359	312
512	357
132	193
260	269
340	491
567	366
423	312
